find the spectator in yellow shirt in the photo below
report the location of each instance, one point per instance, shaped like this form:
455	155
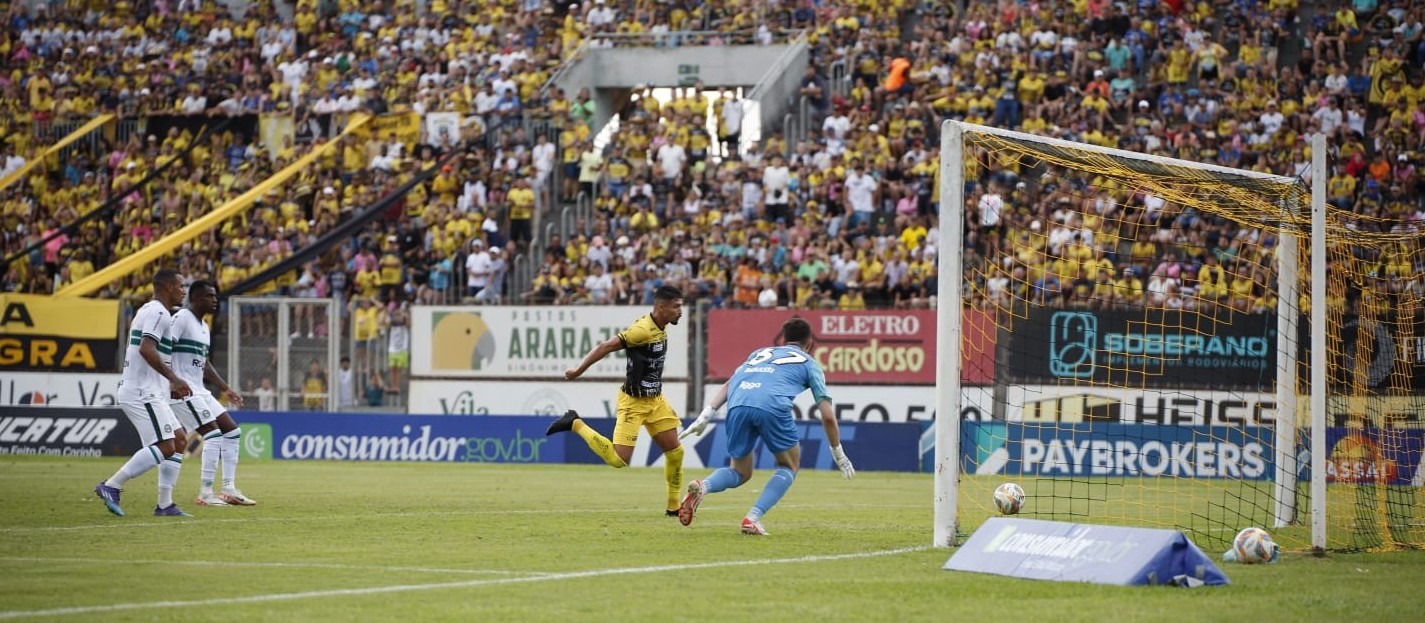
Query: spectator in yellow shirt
1128	290
852	299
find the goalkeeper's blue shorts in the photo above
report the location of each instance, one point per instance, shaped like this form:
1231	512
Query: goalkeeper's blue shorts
745	425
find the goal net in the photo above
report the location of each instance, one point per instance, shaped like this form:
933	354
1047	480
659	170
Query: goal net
1153	345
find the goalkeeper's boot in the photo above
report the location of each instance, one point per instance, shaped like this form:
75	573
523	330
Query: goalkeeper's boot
235	498
689	507
110	497
753	527
208	498
171	510
563	424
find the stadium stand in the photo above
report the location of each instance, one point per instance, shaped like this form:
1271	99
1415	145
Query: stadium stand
839	214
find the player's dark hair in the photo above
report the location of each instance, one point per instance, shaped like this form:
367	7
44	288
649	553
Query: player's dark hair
796	331
666	293
163	277
201	286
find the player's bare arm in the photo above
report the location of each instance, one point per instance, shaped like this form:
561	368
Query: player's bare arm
603	349
211	376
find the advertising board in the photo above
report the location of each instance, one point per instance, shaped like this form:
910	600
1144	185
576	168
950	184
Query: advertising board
65	389
521	439
60	431
71	334
864	347
1146	348
592	399
528	342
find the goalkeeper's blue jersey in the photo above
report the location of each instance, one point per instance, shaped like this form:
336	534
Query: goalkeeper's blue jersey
772	377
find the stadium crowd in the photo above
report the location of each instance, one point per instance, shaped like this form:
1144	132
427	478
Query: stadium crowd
846	218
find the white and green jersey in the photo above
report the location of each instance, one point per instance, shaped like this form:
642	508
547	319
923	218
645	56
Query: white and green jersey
191	345
140	383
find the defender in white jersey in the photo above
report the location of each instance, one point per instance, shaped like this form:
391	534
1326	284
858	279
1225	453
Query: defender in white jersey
143	396
201	413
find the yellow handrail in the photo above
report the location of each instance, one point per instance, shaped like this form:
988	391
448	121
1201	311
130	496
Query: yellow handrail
19	174
207	222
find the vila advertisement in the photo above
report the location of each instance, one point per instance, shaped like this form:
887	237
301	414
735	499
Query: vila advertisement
528	342
863	347
592	399
58	389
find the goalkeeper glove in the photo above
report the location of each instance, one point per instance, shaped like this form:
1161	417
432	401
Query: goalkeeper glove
700	424
847	470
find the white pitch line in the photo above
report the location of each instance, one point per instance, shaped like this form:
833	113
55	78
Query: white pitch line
294	565
402	588
122	523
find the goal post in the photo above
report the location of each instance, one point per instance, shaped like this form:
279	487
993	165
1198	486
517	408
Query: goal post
950	282
1186	402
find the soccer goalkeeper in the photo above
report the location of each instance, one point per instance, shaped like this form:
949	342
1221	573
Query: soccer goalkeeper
759	398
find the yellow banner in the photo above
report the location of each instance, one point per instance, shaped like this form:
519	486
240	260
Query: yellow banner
20	173
406	125
207	222
44	333
34	314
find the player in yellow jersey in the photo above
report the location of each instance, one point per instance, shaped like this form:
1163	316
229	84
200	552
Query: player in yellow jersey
640	400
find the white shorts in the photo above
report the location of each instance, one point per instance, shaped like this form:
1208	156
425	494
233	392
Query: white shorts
197	410
153	420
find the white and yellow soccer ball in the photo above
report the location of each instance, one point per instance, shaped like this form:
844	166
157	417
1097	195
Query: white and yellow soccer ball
1009	497
1254	546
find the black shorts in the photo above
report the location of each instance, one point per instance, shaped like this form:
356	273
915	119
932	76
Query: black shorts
520	229
778	212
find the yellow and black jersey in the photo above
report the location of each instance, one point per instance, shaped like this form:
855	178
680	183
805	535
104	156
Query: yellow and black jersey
647	347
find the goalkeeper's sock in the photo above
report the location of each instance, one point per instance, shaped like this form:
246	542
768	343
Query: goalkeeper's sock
777	486
598	443
722	480
673	473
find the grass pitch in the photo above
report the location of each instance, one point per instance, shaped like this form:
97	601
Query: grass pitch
386	541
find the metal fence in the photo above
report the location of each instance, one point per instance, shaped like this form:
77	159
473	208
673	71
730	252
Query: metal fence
283	353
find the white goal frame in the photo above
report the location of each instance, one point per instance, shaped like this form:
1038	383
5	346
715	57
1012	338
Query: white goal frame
949	321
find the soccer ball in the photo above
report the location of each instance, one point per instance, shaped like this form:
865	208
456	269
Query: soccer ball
1253	546
1009	497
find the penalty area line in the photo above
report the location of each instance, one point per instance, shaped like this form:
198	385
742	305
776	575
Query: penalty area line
403	588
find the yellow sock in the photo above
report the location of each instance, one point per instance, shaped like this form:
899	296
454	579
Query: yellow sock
599	444
673	473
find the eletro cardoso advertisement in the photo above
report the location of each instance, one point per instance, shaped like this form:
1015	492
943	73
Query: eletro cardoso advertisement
863	347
